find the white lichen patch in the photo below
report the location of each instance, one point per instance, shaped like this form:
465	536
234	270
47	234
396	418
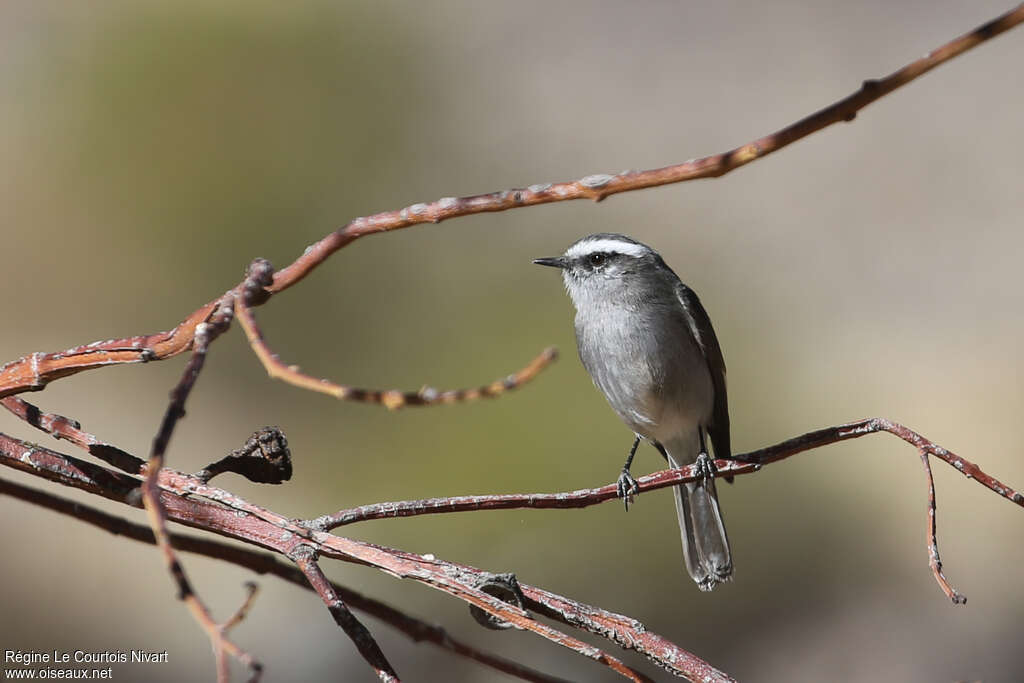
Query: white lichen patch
596	180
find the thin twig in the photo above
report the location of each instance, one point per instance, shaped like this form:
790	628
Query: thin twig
932	541
35	371
251	591
157	515
391	398
266	563
305	559
871	425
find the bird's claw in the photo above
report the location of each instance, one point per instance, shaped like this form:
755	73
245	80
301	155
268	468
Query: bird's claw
626	487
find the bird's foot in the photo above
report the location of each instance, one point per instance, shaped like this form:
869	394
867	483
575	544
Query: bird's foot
707	584
626	487
705	466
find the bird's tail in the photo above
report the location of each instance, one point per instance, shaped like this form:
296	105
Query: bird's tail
705	543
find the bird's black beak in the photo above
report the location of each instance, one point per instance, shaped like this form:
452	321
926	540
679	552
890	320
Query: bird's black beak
553	261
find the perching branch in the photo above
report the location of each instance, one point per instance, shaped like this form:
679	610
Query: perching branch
743	463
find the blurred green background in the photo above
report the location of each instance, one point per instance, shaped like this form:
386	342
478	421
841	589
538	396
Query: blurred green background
151	150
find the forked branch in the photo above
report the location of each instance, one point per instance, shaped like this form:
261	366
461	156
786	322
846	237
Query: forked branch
189	501
305	558
266	563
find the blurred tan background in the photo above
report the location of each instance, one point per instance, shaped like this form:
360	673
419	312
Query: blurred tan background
151	150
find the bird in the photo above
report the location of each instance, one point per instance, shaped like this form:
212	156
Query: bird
649	346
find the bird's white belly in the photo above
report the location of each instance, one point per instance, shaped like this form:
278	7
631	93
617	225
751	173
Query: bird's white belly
659	385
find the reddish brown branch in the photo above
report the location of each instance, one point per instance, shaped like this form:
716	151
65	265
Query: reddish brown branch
33	372
265	563
188	501
744	463
601	185
58	468
461	582
624	631
871	425
580	498
305	559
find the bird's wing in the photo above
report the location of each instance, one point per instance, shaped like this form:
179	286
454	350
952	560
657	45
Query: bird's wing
700	327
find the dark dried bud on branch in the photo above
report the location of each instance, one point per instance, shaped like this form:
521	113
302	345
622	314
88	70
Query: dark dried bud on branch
264	459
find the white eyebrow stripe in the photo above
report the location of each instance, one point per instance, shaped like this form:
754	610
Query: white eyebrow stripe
607	245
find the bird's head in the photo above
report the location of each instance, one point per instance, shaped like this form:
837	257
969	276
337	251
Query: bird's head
605	267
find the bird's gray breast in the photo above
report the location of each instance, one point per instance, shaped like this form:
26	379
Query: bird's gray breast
646	362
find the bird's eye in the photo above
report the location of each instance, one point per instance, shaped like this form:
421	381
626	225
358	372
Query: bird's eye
596	259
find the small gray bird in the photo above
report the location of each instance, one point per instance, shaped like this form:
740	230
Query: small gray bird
648	344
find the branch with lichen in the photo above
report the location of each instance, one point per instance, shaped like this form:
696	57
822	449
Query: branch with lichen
188	500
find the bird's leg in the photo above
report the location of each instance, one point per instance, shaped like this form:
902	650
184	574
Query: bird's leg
626	485
705	465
